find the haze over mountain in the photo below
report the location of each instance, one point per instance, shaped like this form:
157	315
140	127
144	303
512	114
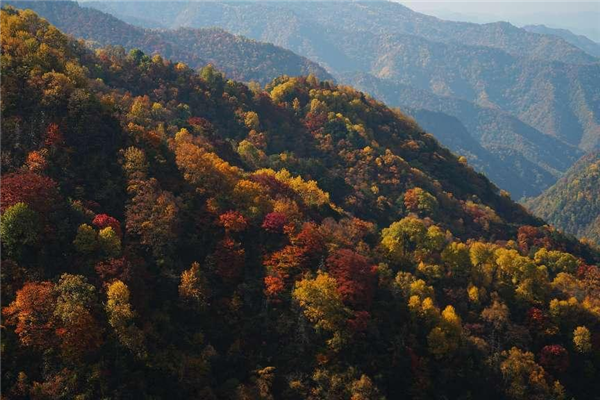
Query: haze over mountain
580	17
168	233
541	82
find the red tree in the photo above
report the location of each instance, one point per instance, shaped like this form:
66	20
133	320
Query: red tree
360	321
229	259
101	221
355	277
554	358
32	313
233	221
38	192
114	269
274	222
53	136
536	320
310	240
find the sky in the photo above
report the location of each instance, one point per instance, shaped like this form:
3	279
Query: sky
580	17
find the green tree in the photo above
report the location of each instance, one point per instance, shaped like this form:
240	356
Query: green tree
109	242
19	227
86	241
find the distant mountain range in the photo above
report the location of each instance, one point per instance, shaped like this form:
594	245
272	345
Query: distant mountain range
292	20
573	203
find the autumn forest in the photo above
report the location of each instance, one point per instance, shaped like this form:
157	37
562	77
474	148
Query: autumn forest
169	232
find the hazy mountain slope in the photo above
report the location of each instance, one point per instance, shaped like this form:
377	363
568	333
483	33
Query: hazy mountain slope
561	100
515	174
170	234
241	58
537	158
584	43
573	203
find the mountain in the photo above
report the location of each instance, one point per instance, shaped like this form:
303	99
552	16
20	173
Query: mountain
240	58
585	44
514	173
171	234
258	19
573	203
516	156
539	82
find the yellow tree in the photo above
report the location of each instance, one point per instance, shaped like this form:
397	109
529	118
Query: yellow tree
121	318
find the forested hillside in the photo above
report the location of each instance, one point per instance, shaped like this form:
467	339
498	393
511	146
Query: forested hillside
573	203
168	233
240	58
507	81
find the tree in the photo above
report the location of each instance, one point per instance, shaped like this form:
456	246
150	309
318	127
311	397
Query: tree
78	329
582	339
229	259
86	241
121	316
36	161
274	222
364	389
355	277
523	376
321	302
102	221
530	280
32	312
38	192
252	121
233	221
114	269
556	261
53	136
203	169
402	238
109	242
421	202
152	215
193	288
445	338
19	227
135	165
457	259
554	358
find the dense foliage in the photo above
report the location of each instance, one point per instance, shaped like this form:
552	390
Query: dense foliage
172	234
573	203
